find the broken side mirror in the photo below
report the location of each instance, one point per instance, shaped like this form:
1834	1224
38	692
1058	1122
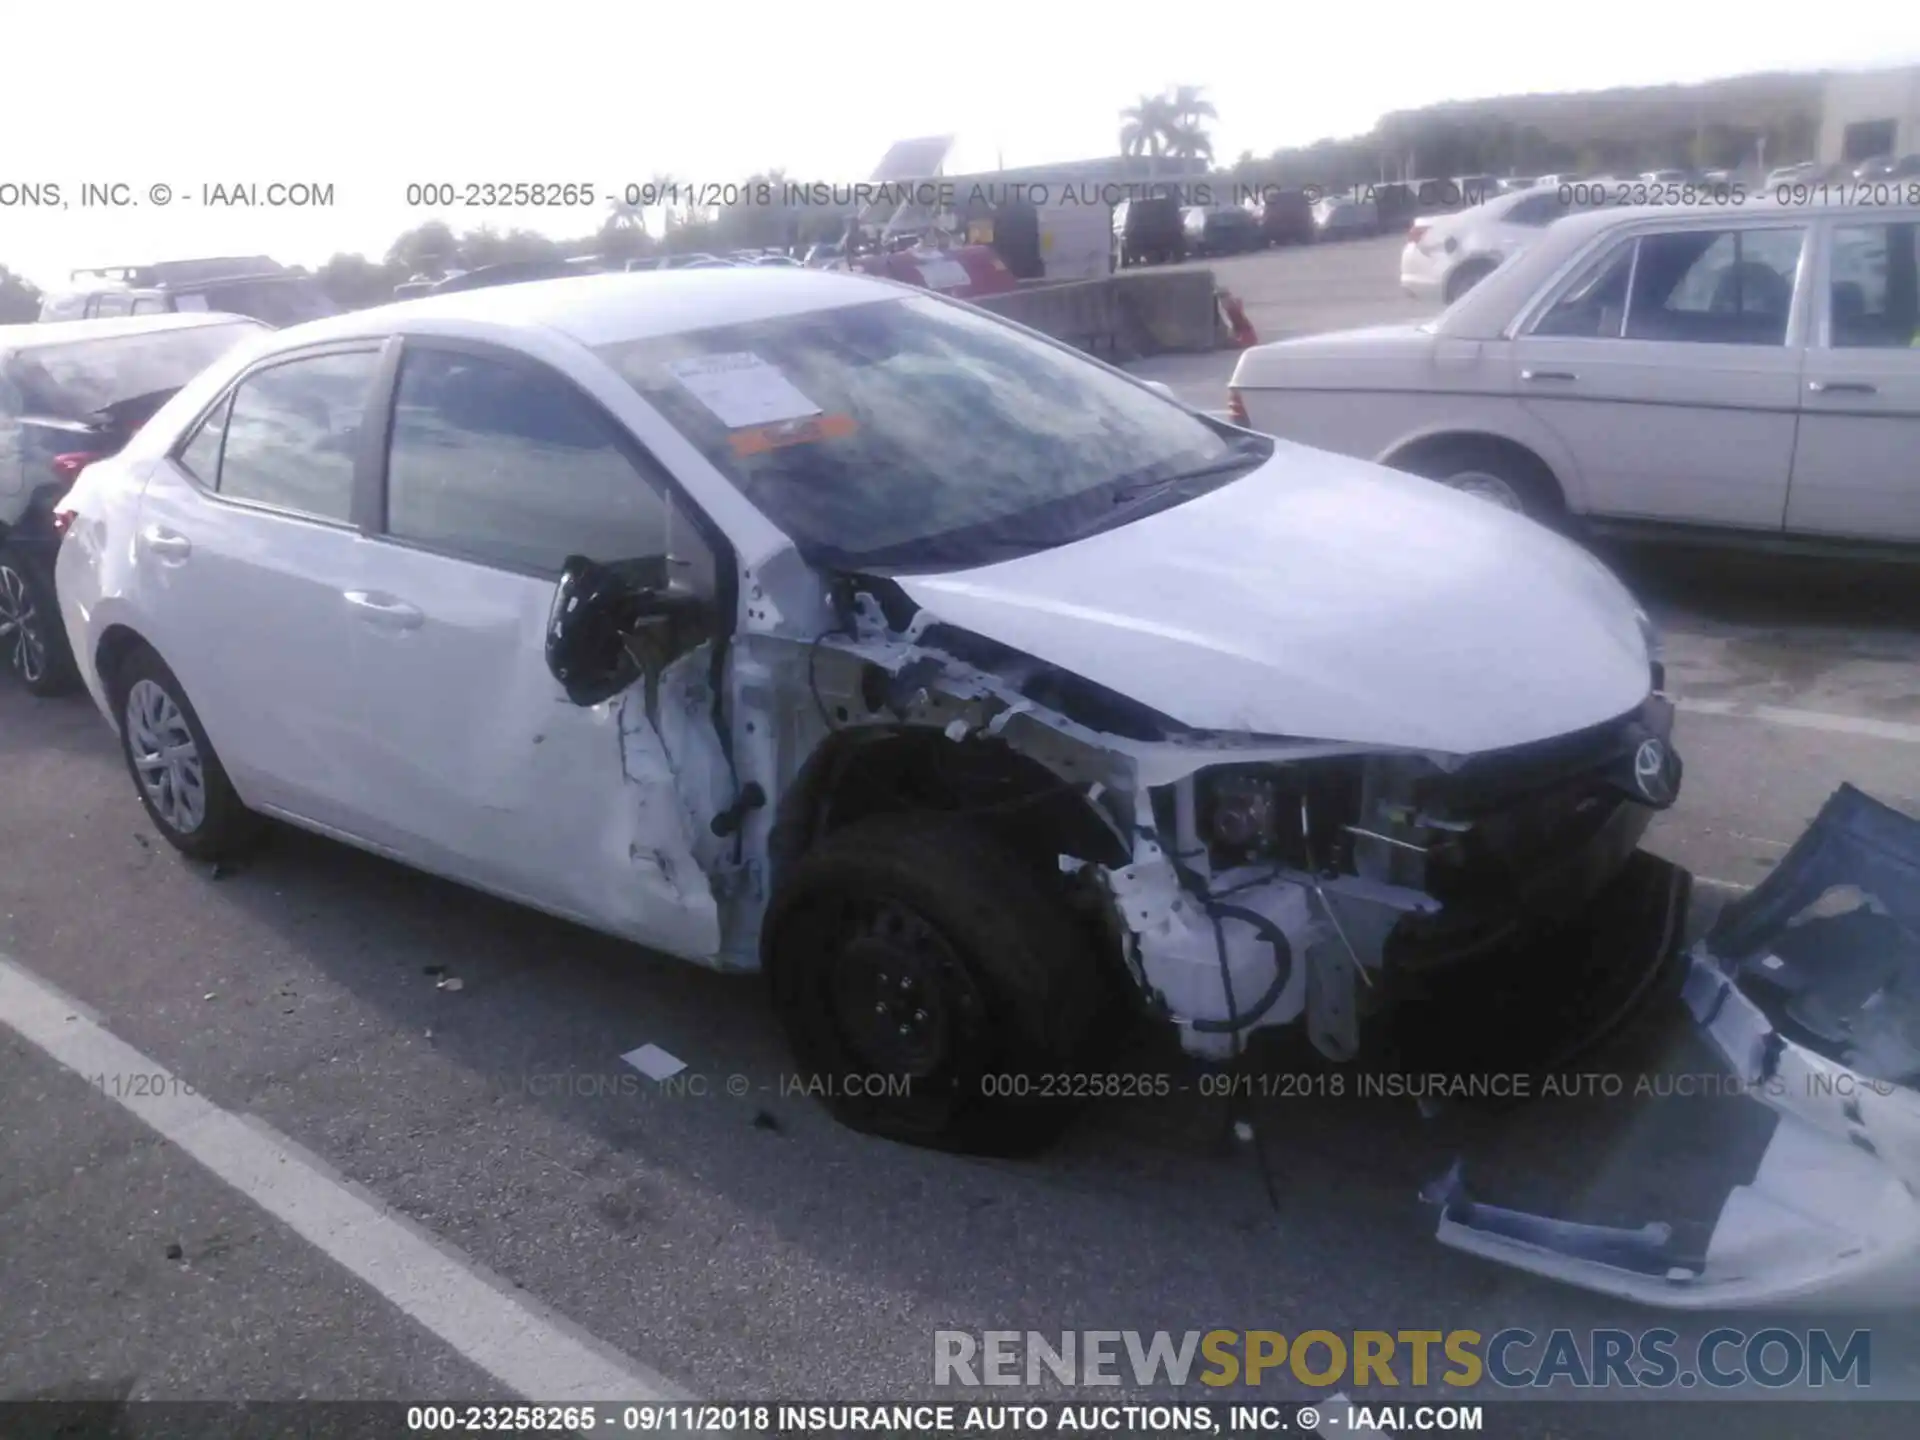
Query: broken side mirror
601	613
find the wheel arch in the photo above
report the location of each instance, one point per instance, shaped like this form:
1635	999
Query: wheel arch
872	770
1405	452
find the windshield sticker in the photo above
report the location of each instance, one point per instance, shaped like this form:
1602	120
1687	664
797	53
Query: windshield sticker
742	389
762	438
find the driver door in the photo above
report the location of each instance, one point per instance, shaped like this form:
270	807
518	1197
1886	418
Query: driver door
473	763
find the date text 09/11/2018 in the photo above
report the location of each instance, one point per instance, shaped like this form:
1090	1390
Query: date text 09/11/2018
687	1417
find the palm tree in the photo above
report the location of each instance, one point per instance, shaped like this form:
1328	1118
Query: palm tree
1187	137
1187	141
1143	129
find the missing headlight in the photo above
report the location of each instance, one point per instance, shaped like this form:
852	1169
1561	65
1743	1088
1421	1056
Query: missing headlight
1251	813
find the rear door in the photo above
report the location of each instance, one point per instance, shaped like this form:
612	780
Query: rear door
248	545
471	761
1856	464
1670	368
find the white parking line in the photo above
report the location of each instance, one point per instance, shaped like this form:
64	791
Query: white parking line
529	1349
1805	719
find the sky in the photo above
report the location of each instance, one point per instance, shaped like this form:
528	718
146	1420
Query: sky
367	98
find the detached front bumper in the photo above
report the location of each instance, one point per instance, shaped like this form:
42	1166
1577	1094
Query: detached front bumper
1809	990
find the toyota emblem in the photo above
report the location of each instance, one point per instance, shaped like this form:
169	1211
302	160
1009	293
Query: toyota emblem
1650	772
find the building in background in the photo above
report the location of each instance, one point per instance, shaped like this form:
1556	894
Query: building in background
1866	114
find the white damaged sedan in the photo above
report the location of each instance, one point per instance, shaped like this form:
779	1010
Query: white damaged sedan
796	621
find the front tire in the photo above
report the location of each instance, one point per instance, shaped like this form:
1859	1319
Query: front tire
934	989
33	639
179	778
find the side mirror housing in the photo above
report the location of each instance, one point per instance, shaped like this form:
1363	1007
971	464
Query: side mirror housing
594	607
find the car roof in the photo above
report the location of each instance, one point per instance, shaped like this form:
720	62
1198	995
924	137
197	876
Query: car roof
617	307
32	336
1484	312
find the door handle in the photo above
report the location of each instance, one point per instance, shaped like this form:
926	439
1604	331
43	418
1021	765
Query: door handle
1538	375
383	610
1841	387
166	544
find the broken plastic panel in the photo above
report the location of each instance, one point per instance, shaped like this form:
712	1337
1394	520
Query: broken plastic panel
1809	988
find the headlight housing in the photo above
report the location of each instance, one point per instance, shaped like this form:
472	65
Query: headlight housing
1248	813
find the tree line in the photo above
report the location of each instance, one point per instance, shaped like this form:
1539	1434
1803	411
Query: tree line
1645	130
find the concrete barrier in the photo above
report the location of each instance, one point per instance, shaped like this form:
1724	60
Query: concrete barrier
1123	317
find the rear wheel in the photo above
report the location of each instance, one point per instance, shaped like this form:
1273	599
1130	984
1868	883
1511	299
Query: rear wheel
179	778
33	641
934	989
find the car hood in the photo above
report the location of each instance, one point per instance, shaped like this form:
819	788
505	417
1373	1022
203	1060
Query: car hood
1325	598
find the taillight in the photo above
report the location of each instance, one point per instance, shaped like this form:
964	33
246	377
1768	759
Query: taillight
1415	231
68	467
1237	408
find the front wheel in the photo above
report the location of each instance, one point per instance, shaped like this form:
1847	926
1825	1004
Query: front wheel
179	778
1495	473
935	990
33	641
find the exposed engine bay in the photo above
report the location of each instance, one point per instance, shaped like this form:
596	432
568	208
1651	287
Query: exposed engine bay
1246	882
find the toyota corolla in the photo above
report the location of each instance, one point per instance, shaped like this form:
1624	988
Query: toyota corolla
800	622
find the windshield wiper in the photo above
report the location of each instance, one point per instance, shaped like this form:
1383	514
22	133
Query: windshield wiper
1242	455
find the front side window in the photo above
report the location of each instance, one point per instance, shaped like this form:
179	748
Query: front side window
293	432
109	305
1874	287
912	432
1594	306
1715	287
509	465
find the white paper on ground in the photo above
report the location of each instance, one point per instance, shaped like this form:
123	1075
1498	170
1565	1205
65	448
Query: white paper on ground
742	389
654	1063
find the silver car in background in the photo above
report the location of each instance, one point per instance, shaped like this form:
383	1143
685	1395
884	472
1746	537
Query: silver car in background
1748	371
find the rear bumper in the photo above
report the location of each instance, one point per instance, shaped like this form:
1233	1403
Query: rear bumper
1814	1010
1422	276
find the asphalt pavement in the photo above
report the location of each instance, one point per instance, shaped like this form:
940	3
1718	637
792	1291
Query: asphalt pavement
412	1163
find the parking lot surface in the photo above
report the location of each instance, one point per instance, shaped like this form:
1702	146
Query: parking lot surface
412	1151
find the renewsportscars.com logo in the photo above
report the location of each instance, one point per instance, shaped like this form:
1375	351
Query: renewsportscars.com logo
1652	1359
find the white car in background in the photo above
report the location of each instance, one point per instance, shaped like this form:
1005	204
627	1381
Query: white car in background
1746	371
1447	255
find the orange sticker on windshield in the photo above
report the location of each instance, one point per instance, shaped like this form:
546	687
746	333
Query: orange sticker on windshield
761	438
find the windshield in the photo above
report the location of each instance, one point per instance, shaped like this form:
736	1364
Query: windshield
76	379
914	433
278	302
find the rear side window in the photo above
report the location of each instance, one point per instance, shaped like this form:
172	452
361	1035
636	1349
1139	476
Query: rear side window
108	305
292	434
200	456
509	465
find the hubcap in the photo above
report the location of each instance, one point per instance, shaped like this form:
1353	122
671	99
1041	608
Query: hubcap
1490	488
165	757
20	639
887	989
